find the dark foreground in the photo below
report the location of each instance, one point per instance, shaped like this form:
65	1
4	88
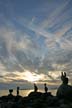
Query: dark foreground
63	98
35	100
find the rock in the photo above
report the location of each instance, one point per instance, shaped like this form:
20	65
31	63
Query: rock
52	101
64	106
35	94
65	91
17	98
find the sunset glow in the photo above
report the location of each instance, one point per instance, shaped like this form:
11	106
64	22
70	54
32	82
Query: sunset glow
31	77
35	41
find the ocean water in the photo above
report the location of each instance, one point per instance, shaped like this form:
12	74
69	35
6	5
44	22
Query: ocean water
24	92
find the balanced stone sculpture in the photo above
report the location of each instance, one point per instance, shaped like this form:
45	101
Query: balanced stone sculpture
65	90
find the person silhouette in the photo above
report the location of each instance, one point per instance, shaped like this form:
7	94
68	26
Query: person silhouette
45	88
35	88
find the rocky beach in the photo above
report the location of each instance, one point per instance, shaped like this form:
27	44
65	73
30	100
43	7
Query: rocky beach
35	99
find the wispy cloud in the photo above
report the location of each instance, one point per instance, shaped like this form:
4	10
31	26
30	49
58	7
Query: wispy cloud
52	18
37	42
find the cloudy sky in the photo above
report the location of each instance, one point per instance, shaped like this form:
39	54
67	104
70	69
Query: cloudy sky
35	41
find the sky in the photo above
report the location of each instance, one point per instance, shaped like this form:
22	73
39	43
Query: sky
35	42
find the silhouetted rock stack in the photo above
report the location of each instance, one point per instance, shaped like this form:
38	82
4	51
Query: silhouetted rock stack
36	100
41	100
35	88
45	88
18	91
65	90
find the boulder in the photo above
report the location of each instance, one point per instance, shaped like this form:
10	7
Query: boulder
65	91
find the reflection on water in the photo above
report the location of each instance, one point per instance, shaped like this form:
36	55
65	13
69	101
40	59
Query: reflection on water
24	92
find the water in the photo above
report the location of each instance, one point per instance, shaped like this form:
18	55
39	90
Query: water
21	92
24	92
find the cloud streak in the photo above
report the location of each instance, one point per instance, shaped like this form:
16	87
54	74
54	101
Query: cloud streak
39	45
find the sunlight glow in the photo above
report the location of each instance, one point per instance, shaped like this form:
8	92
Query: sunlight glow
54	74
31	77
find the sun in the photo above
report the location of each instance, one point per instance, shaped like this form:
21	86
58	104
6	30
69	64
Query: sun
31	76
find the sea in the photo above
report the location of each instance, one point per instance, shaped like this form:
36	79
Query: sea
25	92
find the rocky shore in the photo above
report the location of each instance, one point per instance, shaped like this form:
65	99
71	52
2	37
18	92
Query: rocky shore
63	98
35	100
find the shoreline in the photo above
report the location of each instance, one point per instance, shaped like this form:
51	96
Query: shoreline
34	100
25	92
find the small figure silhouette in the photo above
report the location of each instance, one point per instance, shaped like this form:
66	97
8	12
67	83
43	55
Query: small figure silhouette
64	78
17	91
10	91
45	88
35	87
64	90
